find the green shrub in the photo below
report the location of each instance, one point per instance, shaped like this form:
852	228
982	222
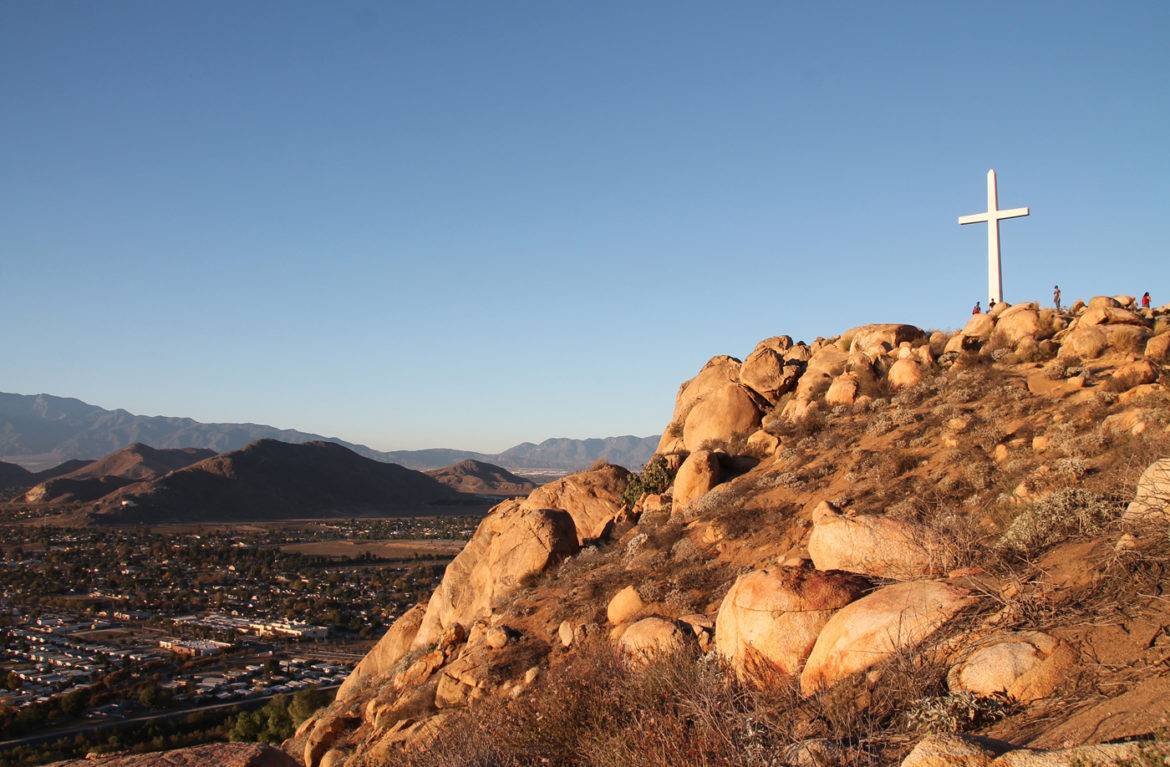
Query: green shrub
655	477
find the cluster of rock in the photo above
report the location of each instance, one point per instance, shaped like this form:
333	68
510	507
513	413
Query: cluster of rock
871	586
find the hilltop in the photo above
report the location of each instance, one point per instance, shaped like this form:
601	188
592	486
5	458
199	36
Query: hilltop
891	546
93	480
40	431
269	480
477	477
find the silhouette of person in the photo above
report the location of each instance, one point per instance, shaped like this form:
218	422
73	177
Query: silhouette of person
976	310
991	304
1056	296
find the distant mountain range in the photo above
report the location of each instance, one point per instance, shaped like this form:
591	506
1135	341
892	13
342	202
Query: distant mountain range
41	431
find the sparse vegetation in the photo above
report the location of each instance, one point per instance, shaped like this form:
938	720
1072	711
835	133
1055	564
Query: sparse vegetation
1068	512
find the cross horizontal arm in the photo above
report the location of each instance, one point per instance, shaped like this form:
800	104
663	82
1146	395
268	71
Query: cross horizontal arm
1013	213
976	218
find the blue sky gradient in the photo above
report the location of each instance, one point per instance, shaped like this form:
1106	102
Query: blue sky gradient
419	224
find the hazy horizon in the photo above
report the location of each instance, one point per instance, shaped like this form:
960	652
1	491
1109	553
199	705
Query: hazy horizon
417	226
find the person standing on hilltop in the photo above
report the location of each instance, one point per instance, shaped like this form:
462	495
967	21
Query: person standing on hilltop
1146	300
991	304
976	310
1056	296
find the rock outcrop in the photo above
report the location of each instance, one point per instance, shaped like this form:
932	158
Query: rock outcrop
592	498
874	545
512	543
384	656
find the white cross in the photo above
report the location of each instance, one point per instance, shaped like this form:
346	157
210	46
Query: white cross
993	217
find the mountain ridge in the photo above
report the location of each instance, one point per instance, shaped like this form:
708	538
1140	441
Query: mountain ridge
38	431
270	479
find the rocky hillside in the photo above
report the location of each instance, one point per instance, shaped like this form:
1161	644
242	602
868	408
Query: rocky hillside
96	479
887	547
479	478
277	480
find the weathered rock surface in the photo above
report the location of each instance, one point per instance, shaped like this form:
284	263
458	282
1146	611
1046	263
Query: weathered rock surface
718	373
724	413
1152	500
510	544
651	636
770	618
698	474
591	498
904	373
382	658
623	605
879	338
874	545
766	372
1026	666
843	390
1017	323
866	632
968	751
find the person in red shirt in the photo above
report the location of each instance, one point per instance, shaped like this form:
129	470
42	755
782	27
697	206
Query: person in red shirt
1146	300
976	310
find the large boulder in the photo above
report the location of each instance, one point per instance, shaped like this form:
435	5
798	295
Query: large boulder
1025	666
947	750
874	545
866	632
512	543
624	605
382	658
904	374
843	390
1017	323
592	498
1108	315
770	618
766	372
877	339
1151	502
1158	347
698	474
726	412
649	637
1086	342
979	326
718	373
1126	339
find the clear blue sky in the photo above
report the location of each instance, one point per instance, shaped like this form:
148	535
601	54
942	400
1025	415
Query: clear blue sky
469	224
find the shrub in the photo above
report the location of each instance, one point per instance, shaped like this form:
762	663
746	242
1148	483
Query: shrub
955	712
655	477
1067	513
